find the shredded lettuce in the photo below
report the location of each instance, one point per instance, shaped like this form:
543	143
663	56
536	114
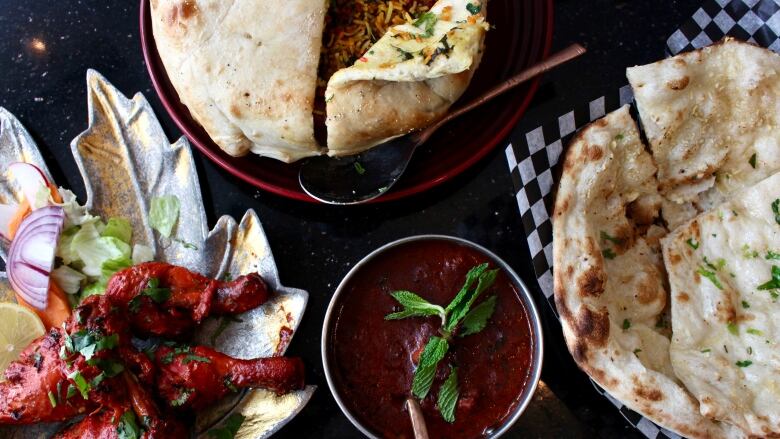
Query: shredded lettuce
75	214
108	268
163	214
142	253
94	249
68	279
64	248
119	228
92	289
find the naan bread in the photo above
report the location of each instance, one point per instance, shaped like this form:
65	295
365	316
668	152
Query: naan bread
706	113
726	326
407	80
609	276
246	70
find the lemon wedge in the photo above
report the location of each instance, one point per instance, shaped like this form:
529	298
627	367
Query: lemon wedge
18	327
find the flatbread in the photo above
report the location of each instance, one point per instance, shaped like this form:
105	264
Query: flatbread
726	334
609	277
706	113
246	71
406	80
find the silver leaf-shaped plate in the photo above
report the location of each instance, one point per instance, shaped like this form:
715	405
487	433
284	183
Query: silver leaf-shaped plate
126	160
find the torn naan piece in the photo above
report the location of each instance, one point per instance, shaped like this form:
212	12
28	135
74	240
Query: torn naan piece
406	80
609	275
247	71
724	271
711	117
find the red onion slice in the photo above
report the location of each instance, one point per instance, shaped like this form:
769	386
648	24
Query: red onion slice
31	256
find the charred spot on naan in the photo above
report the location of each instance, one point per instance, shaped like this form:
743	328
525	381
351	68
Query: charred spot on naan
180	12
678	84
591	282
644	391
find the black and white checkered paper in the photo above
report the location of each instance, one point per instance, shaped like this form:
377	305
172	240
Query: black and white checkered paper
533	157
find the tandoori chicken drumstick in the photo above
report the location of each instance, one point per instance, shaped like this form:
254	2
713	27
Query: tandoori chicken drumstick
197	377
168	301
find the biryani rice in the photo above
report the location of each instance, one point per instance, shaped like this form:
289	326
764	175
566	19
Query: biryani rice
353	26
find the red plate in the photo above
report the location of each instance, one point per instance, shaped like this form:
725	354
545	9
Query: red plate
521	34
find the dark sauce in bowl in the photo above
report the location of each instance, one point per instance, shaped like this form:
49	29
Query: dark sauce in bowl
372	360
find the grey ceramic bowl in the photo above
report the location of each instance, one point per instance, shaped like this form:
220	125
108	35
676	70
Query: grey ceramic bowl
525	296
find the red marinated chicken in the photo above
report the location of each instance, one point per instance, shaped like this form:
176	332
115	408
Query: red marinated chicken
197	377
67	371
138	417
88	367
168	301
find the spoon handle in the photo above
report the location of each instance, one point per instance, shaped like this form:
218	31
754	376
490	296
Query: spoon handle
551	62
418	422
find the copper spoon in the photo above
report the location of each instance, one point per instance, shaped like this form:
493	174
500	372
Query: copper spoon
363	177
418	422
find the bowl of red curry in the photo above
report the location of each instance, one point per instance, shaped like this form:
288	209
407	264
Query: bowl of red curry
438	319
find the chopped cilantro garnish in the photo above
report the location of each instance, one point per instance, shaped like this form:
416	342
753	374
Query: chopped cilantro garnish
748	253
52	399
754	331
426	22
773	283
771	255
776	210
711	276
752	160
704	351
81	384
474	9
693	244
733	329
359	168
636	351
606	237
189	358
626	324
744	363
184	395
608	253
745	304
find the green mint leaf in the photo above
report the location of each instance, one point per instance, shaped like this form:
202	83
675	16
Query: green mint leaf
471	277
711	276
776	210
426	22
752	160
229	428
606	237
486	280
433	353
448	396
474	10
128	426
164	213
773	283
414	306
476	320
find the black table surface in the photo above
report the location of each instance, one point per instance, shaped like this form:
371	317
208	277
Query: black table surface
315	246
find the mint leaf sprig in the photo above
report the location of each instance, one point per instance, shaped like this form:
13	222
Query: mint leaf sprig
457	318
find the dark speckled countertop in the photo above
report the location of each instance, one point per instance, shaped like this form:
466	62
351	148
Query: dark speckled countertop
46	47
